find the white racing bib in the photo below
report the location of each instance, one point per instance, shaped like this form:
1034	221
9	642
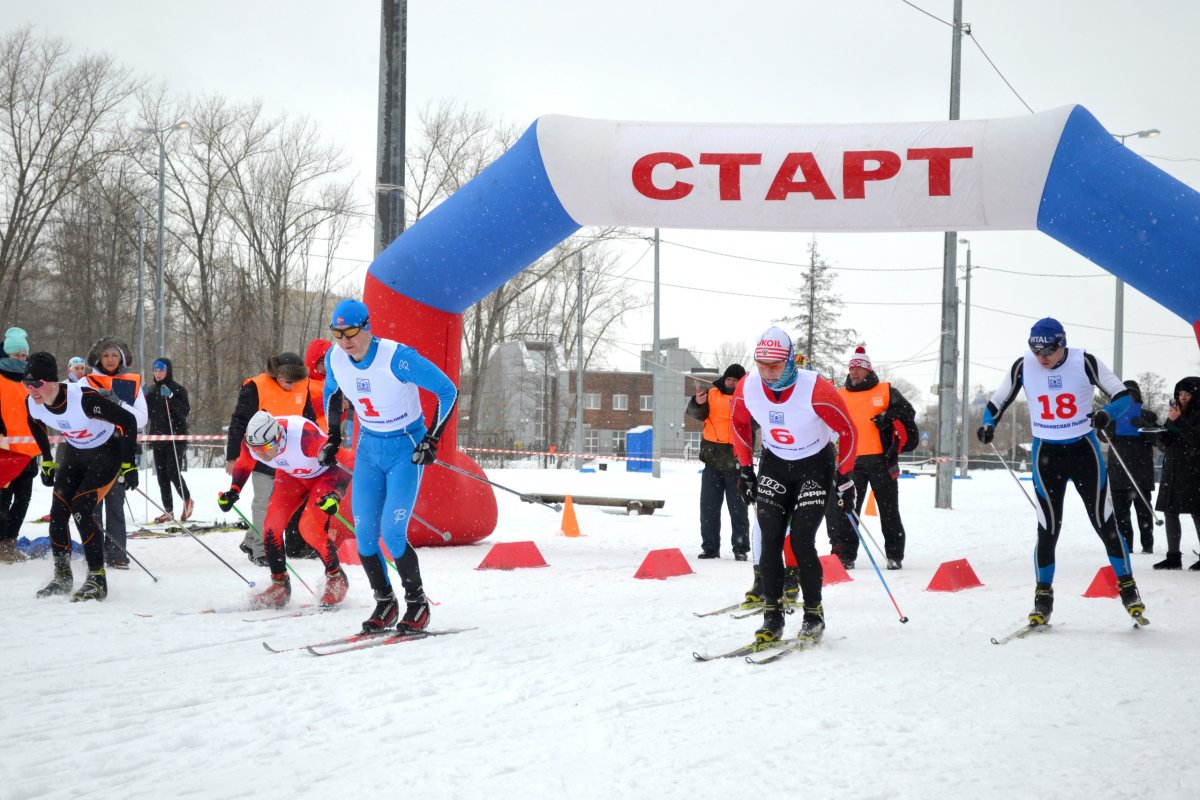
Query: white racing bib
791	429
1059	399
80	430
382	401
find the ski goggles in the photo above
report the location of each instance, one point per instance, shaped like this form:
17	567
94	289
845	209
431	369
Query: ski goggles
346	333
1044	349
265	449
34	384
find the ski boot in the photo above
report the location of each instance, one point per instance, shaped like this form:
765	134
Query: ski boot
1043	604
895	563
276	595
754	595
812	626
1131	598
94	588
63	580
416	614
791	587
772	627
387	610
336	585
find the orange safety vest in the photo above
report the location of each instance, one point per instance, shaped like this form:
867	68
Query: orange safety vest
276	400
718	425
863	406
16	417
125	386
316	393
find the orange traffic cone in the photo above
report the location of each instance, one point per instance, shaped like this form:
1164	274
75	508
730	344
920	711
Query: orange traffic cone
570	525
871	510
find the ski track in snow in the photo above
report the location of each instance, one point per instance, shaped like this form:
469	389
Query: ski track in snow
579	681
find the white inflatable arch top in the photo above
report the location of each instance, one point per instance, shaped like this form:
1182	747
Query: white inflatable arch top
1059	172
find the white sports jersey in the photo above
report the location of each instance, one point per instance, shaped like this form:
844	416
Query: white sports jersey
1059	399
791	429
290	456
383	402
80	430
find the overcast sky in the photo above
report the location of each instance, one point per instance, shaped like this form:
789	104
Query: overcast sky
1133	65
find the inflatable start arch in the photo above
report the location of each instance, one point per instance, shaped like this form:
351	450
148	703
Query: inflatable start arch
1059	172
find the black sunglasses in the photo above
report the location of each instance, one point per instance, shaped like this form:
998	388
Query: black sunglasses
33	383
1044	350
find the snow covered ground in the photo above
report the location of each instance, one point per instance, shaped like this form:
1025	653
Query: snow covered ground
579	681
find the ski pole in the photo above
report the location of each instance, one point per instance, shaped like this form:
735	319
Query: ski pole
1113	449
128	554
290	568
850	515
1014	476
188	531
445	536
525	497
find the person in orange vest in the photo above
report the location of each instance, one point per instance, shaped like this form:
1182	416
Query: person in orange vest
15	457
714	407
886	426
110	359
314	359
282	390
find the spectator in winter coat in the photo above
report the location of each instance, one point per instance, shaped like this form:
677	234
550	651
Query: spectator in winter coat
1131	469
109	359
18	460
167	402
1179	492
886	426
282	390
714	407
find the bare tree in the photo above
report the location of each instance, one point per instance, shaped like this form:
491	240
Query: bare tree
53	113
282	199
733	353
818	312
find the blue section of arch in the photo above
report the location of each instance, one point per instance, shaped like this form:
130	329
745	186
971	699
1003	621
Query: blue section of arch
489	230
1125	214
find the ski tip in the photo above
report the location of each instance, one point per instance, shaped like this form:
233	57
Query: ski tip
268	648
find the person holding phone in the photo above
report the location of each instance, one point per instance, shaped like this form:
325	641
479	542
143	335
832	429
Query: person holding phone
1179	492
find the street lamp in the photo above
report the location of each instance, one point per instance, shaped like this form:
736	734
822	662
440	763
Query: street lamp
163	133
1119	303
1146	134
966	409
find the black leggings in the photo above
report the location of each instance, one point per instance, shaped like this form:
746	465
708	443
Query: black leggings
1078	462
1173	524
83	478
795	492
168	461
14	501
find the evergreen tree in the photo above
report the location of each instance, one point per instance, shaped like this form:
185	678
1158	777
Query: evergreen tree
818	311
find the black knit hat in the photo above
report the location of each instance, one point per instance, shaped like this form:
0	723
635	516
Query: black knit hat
735	371
42	366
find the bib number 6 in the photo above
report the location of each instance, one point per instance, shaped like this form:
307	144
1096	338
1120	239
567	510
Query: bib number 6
782	436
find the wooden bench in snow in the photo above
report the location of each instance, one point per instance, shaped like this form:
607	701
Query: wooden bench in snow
631	505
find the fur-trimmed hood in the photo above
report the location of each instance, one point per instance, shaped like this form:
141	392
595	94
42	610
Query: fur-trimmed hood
102	344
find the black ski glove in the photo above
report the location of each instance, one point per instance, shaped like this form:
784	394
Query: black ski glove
747	484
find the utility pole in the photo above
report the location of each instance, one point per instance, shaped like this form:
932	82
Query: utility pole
579	371
966	351
389	136
948	367
655	372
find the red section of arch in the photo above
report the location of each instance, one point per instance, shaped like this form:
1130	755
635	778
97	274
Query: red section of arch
450	502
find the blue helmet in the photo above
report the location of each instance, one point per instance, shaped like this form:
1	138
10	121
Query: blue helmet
1047	334
350	313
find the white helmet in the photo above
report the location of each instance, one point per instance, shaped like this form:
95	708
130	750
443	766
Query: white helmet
263	429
